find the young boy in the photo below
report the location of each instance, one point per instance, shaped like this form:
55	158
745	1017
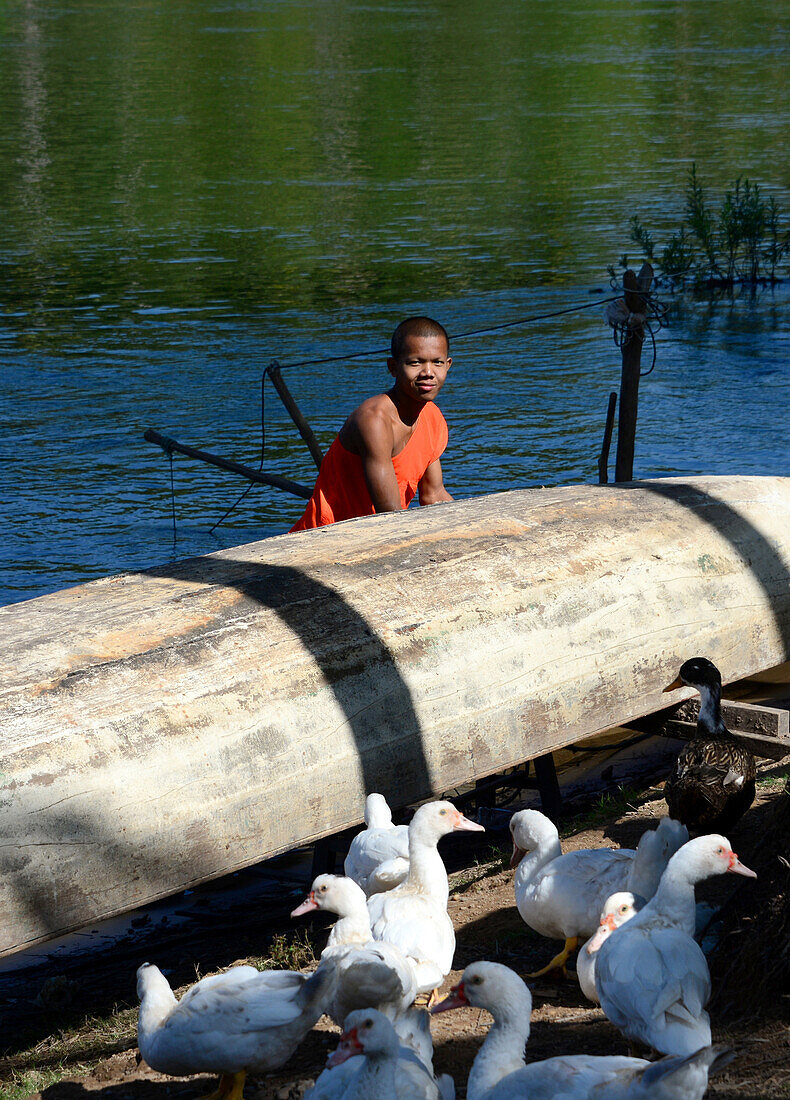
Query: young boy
389	448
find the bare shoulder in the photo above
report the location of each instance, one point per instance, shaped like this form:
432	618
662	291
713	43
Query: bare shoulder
372	424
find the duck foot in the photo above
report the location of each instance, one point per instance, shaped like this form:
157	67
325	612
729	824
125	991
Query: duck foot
230	1087
558	962
426	1000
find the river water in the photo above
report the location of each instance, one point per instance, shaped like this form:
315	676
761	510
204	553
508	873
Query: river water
190	189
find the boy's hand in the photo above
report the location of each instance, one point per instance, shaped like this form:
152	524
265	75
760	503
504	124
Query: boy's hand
431	487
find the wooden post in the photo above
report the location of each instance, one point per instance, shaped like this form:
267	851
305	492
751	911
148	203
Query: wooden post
603	459
630	313
304	429
548	786
168	445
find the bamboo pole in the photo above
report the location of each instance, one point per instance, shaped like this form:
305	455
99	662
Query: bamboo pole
304	429
274	480
603	458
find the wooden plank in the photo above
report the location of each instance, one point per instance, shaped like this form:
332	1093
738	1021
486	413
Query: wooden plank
160	729
773	748
763	729
745	718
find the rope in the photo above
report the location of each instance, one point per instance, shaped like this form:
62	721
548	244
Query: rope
621	335
456	336
655	315
242	495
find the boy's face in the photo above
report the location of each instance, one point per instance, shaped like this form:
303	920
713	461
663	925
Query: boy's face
423	367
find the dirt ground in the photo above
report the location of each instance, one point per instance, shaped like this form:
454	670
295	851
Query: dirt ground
488	927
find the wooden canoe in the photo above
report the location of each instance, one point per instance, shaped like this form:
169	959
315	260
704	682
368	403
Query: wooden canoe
164	728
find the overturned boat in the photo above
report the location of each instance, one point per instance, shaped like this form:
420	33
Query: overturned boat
164	728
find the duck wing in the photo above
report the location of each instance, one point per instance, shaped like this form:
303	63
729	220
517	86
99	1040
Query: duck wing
568	1077
416	926
242	1002
653	984
372	847
711	784
566	897
374	976
387	875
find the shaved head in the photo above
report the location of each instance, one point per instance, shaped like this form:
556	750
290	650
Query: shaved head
415	326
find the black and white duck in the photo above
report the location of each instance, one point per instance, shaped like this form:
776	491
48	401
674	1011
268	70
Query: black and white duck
711	785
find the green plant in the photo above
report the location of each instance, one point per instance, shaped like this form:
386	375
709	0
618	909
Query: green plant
743	243
778	244
642	237
604	807
700	220
288	951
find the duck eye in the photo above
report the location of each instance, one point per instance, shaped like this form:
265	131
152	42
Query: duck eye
442	813
368	1023
719	851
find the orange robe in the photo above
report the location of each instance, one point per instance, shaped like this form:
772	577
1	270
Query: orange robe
340	491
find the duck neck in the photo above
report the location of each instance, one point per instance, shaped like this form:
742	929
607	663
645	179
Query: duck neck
353	926
674	899
376	1079
548	848
155	1008
502	1053
427	872
710	720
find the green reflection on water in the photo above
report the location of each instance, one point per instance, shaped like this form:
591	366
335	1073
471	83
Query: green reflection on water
320	154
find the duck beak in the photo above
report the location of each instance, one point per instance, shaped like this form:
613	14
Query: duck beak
307	905
456	998
517	856
676	683
349	1047
603	933
463	824
739	868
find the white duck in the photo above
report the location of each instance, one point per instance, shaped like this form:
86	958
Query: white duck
337	894
561	896
378	856
618	909
652	978
414	1077
413	917
241	1021
500	1073
367	974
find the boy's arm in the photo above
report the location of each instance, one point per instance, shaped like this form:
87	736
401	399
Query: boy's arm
431	487
375	440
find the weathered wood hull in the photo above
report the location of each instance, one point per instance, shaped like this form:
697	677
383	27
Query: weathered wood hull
163	728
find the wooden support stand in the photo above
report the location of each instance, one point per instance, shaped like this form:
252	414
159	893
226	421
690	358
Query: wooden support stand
548	786
544	781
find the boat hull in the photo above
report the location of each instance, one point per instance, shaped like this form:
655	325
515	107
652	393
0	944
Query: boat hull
164	728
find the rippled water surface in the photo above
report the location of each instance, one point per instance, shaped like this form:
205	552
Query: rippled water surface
191	189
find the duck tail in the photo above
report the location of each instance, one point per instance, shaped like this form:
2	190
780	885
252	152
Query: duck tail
674	1068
